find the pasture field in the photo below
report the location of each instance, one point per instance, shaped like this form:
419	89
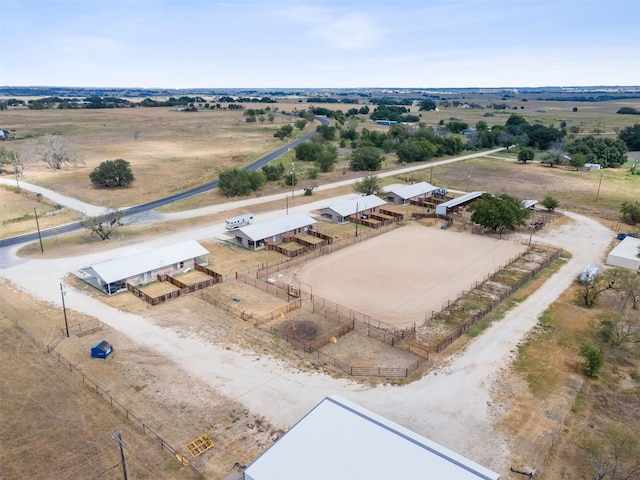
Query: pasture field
176	404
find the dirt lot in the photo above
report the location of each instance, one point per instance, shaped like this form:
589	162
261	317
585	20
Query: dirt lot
403	284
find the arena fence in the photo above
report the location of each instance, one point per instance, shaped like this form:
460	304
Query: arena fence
514	279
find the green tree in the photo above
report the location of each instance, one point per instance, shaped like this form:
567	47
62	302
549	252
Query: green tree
369	185
365	158
326	132
112	173
236	182
308	151
427	105
273	173
327	158
457	126
300	124
594	359
607	152
550	203
498	212
630	212
578	160
416	150
283	132
631	136
526	154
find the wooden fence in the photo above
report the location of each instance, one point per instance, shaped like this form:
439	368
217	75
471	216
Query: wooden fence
183	288
443	344
146	430
92	325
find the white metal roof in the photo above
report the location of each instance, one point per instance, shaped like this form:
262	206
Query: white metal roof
360	204
529	203
147	260
411	191
625	254
340	440
467	197
260	231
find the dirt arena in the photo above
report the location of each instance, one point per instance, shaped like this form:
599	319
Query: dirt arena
400	276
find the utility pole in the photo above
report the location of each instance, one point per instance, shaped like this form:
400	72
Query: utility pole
293	166
118	438
357	219
64	309
38	226
599	183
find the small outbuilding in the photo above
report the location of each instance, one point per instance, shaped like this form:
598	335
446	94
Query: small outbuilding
625	254
340	440
101	349
358	207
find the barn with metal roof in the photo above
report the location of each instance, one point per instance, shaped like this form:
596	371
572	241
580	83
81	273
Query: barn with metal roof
340	440
465	199
274	231
401	195
341	211
142	265
625	254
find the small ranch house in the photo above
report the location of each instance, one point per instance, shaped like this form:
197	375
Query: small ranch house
143	265
359	207
403	194
340	440
274	231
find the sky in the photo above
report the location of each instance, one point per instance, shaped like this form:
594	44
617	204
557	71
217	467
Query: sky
319	44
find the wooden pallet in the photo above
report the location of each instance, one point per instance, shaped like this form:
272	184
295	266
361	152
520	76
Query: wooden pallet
200	445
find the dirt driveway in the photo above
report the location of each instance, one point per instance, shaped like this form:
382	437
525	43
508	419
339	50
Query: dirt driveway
452	406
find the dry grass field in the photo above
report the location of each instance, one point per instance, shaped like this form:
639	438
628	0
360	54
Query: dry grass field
171	151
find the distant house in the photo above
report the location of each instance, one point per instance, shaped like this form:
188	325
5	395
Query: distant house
402	195
141	266
342	211
340	440
259	235
386	122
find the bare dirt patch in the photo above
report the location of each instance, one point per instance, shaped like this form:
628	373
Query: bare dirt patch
402	275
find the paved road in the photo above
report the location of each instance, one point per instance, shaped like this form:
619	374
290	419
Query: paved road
132	213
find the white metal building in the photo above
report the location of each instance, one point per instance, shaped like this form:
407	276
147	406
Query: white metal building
625	254
443	208
274	231
340	440
403	194
141	265
340	212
